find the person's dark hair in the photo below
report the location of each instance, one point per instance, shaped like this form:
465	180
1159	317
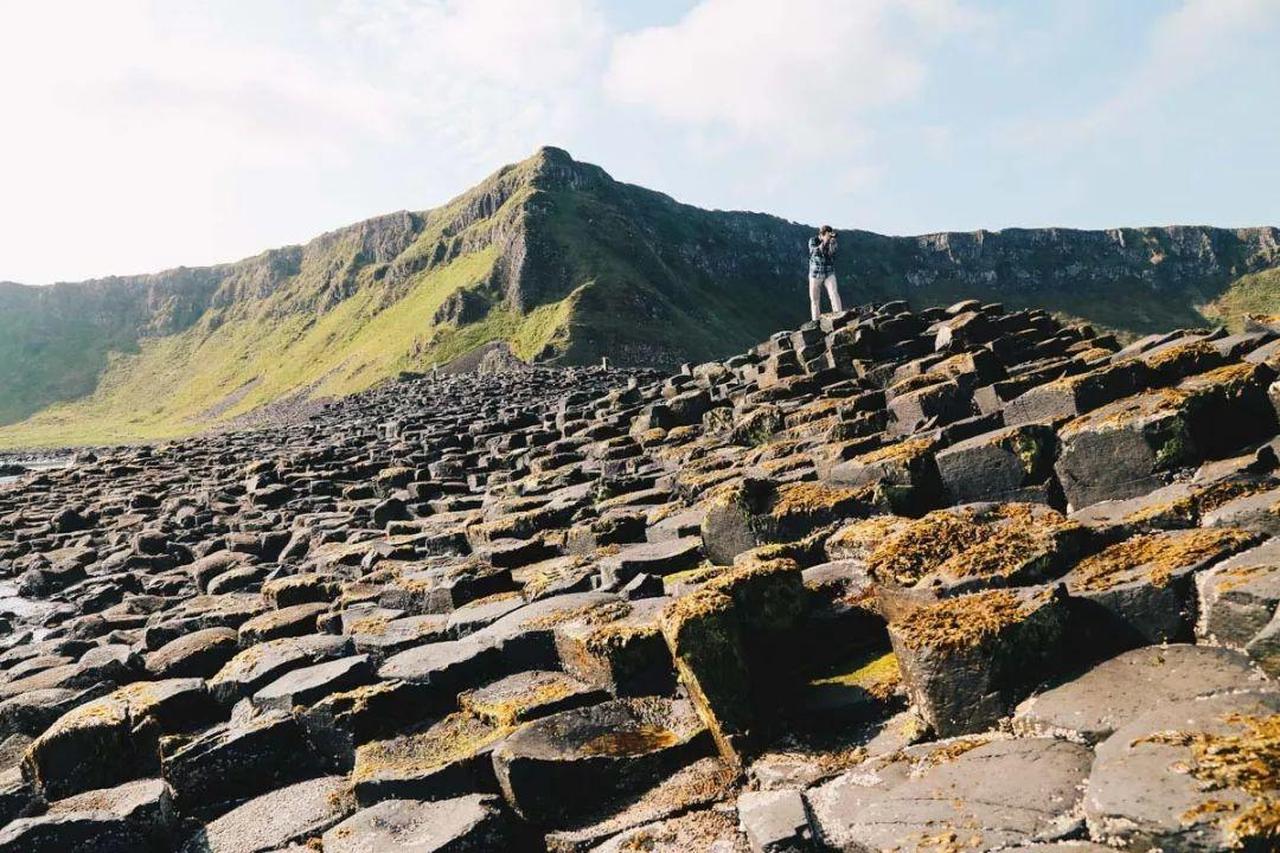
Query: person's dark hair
826	229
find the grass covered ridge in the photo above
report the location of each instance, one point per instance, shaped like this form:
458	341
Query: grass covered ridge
565	265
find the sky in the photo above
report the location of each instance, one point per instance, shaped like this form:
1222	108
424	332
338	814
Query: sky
144	135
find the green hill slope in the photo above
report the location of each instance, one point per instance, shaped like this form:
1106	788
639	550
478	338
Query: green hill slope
563	263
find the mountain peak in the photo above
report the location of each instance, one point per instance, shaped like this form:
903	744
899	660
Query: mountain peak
552	154
556	259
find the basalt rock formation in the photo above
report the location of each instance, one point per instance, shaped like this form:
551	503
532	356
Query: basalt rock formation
955	579
565	265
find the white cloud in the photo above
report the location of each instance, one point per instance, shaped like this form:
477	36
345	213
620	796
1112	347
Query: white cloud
488	75
125	113
1190	42
803	74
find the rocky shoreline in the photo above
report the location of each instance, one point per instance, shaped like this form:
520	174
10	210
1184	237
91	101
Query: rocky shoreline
956	579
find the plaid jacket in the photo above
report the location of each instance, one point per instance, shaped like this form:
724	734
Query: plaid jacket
822	262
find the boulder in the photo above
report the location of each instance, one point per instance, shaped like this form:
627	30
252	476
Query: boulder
602	752
116	738
966	660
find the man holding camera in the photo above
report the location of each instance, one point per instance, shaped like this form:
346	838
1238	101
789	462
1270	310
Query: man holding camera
822	271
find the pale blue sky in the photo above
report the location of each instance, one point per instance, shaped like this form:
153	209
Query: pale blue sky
142	135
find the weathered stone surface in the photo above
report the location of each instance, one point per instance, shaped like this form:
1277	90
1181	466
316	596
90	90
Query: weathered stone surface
396	587
1240	596
199	654
259	665
472	823
527	696
276	820
446	759
1011	464
972	795
966	660
1193	775
1141	590
237	760
707	829
295	621
775	821
114	739
602	752
697	785
131	817
310	684
1090	707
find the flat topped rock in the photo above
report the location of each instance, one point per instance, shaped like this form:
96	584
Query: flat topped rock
446	759
1240	596
696	786
259	665
310	684
526	696
475	822
707	829
199	654
1202	774
603	751
293	621
286	816
1089	708
1002	792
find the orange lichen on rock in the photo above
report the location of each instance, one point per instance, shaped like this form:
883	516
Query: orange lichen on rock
963	621
1246	760
1162	555
923	545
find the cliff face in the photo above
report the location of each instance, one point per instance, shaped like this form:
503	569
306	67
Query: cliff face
555	258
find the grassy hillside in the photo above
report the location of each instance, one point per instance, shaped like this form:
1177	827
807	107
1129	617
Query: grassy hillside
564	264
1257	293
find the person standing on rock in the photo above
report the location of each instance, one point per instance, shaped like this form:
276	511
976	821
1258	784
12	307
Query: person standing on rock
822	271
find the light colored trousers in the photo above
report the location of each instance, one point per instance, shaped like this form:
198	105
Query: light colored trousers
815	294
